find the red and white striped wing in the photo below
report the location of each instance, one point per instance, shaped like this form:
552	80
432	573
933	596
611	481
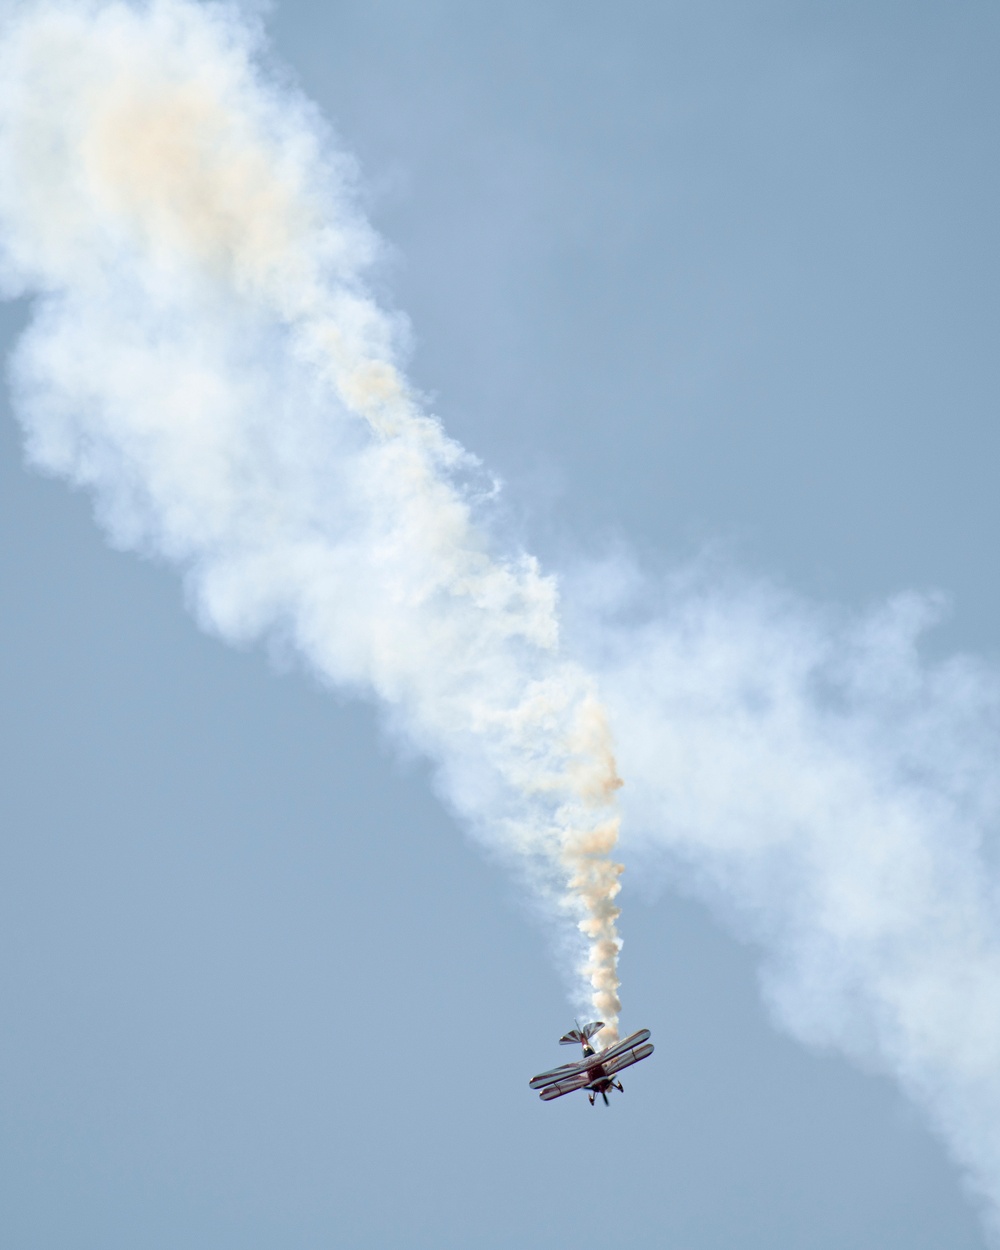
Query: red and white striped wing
567	1086
625	1047
627	1043
559	1074
626	1058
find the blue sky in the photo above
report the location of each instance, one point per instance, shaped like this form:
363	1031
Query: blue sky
718	275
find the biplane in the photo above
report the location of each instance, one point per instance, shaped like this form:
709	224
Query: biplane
595	1072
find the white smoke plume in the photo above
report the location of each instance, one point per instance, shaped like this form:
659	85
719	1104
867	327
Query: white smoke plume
205	358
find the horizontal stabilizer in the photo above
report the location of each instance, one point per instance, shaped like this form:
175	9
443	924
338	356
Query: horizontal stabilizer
581	1036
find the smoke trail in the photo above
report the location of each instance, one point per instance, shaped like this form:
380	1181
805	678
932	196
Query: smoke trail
206	360
836	798
204	357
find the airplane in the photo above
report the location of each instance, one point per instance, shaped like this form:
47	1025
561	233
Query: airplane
595	1072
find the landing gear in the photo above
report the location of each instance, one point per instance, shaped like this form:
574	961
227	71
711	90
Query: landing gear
602	1089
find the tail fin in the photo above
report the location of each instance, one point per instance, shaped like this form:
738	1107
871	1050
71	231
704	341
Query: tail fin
581	1036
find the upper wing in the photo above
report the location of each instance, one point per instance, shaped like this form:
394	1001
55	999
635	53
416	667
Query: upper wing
627	1058
627	1043
566	1086
560	1074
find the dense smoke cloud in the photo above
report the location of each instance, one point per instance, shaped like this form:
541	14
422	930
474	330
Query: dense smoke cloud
835	797
205	358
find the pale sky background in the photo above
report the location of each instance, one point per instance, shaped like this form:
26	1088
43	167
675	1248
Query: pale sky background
684	274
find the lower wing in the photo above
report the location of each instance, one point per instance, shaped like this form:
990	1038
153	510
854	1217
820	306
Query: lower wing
564	1087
